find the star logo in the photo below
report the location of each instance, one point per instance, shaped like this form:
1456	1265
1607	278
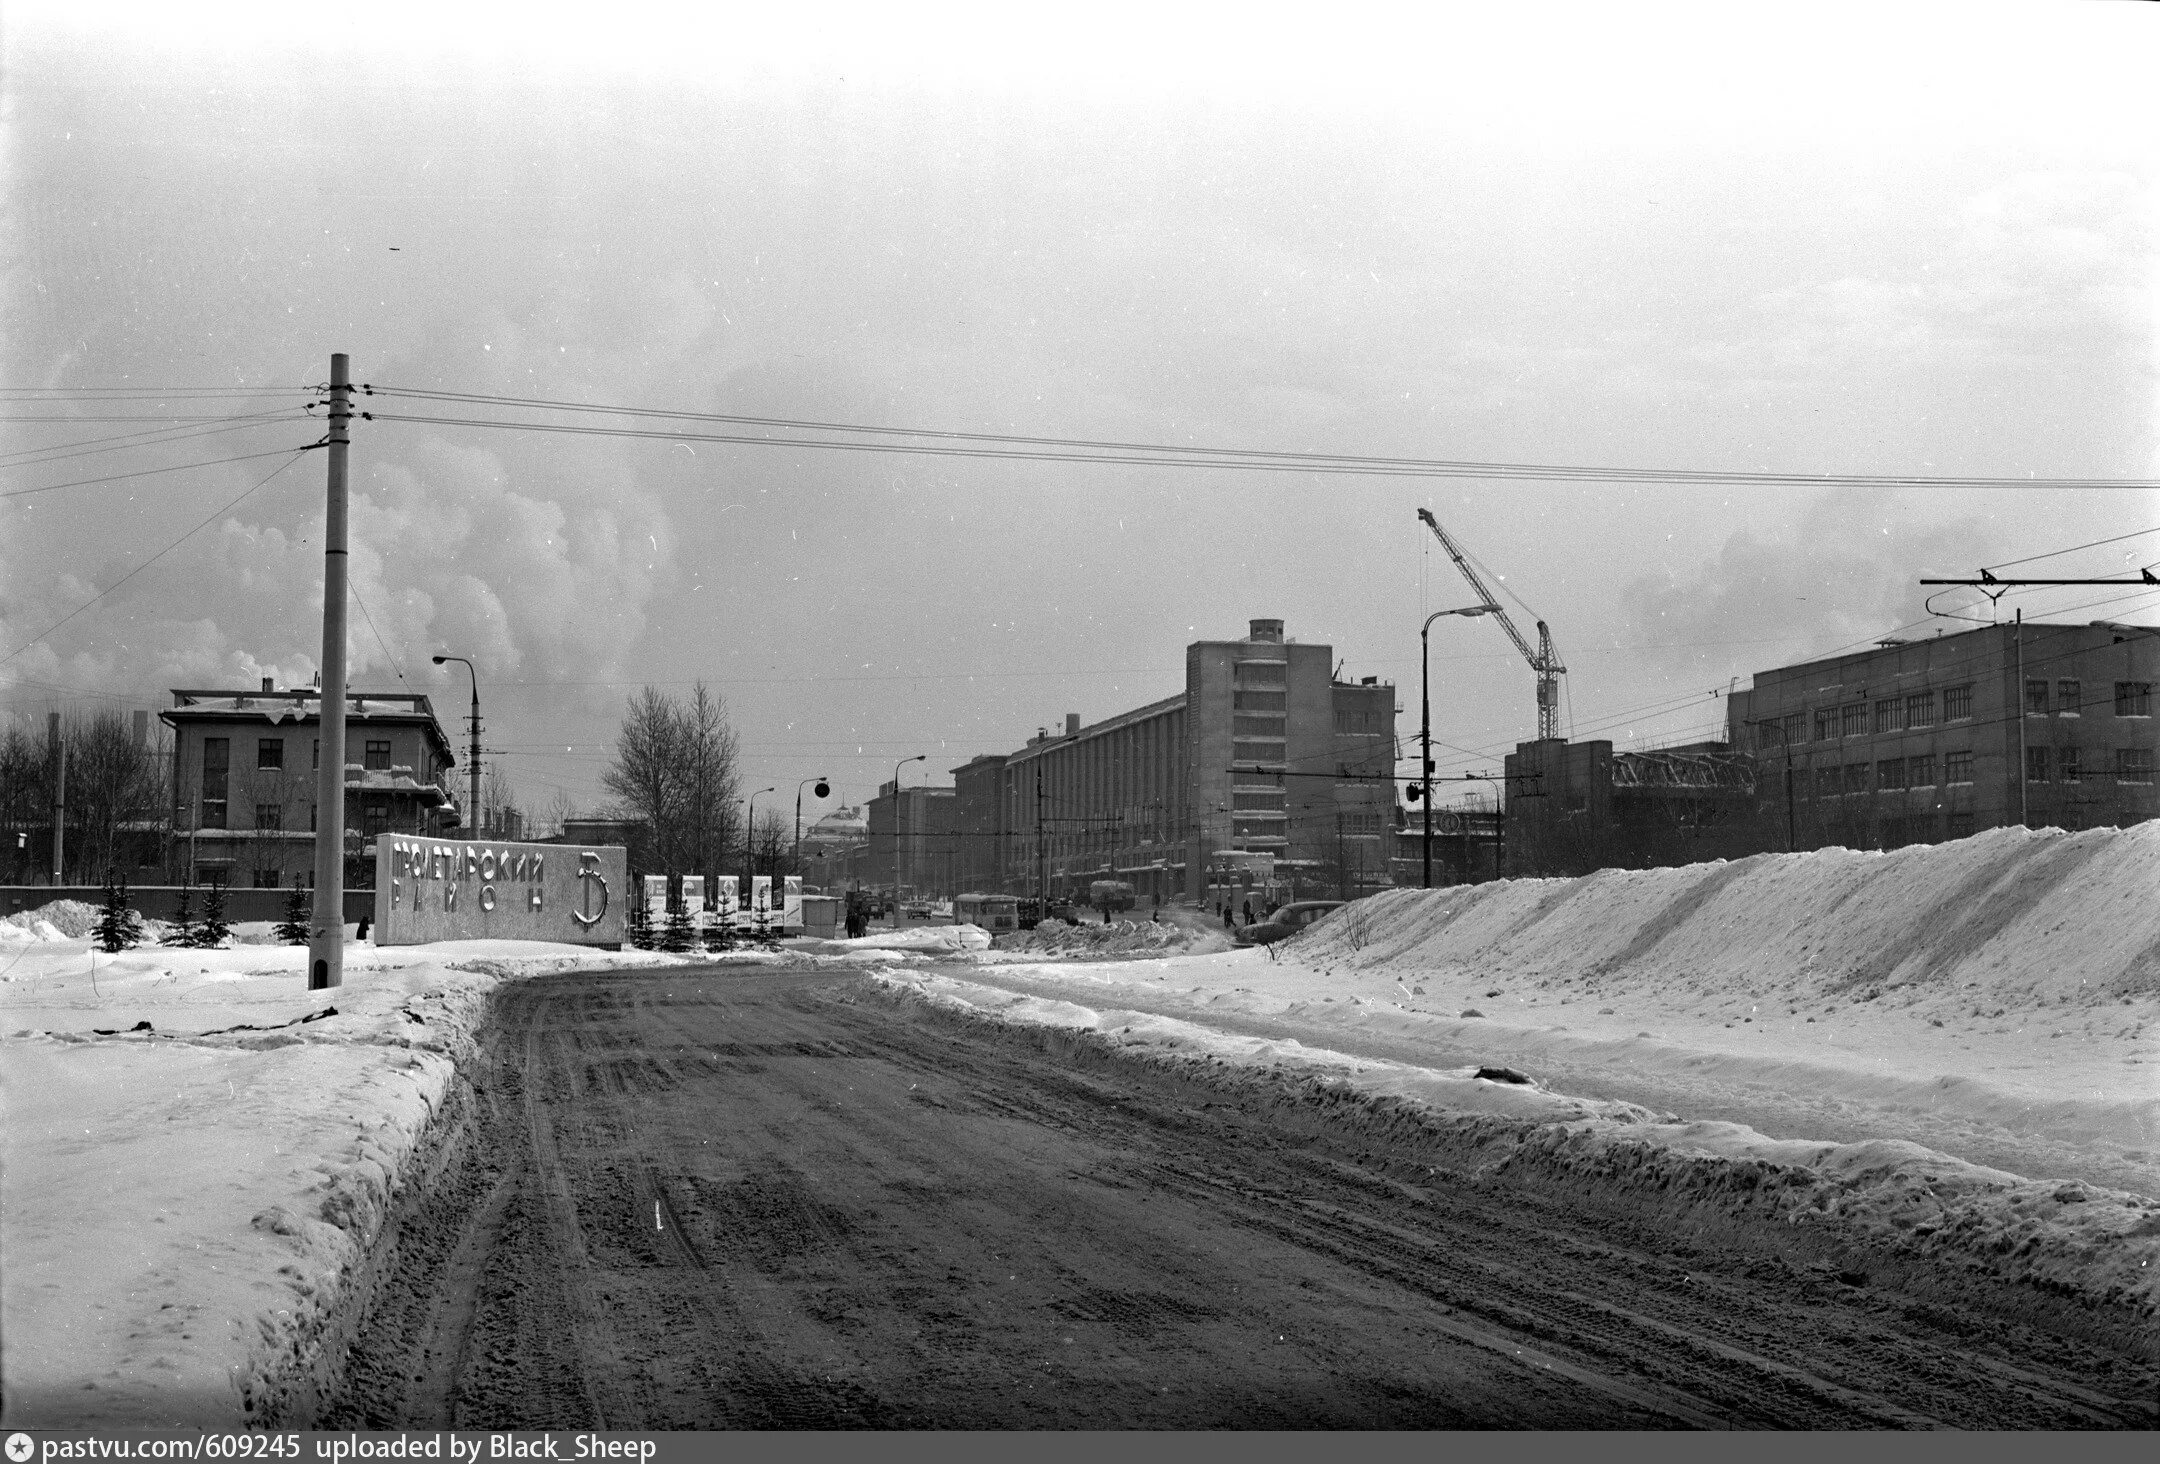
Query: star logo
19	1448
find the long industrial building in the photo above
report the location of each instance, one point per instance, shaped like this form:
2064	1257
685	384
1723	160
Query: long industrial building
1264	771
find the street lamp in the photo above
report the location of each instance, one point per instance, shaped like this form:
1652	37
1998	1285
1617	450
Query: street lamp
918	757
1425	724
472	814
824	787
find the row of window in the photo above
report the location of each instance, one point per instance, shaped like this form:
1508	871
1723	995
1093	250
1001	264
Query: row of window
2067	765
374	817
270	753
2132	765
2064	696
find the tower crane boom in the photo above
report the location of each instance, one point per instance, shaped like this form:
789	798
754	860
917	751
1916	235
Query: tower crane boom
1542	660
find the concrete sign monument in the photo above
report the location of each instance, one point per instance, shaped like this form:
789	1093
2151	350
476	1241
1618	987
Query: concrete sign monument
450	889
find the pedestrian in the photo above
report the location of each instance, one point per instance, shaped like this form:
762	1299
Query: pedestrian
1228	920
1248	912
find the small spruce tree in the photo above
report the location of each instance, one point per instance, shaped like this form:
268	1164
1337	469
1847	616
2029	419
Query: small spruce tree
118	927
183	921
210	935
640	922
676	935
293	929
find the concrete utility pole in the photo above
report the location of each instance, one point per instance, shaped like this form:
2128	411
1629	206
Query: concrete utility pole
1425	762
326	931
59	795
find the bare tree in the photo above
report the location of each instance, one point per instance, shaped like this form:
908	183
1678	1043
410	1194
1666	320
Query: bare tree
675	768
772	845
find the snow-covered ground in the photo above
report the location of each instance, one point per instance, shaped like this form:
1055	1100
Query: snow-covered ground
1942	1049
1945	1046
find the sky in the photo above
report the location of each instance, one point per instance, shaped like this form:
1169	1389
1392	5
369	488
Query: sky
1885	240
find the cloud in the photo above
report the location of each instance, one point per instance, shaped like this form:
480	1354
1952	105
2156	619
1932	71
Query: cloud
1846	575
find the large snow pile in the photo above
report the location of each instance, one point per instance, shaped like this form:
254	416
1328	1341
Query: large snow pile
63	919
2012	919
1118	937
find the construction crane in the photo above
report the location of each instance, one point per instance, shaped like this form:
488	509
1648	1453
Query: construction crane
1542	660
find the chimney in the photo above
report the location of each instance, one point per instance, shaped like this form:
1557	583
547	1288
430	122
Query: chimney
1266	630
1072	724
1368	681
268	685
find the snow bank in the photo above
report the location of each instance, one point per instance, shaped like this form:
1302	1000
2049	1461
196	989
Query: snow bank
1119	937
929	938
2071	1254
199	1156
2009	918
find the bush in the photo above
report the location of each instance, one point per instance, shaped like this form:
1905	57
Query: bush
118	926
210	935
183	928
293	929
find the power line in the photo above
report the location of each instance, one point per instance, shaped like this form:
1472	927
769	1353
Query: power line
36	456
151	472
296	455
2074	548
944	443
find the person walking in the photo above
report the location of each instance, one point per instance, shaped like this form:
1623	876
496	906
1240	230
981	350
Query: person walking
1248	912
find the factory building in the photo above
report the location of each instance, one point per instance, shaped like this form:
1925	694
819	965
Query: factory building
1264	771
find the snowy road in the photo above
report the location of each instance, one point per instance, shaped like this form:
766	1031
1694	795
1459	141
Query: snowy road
708	1198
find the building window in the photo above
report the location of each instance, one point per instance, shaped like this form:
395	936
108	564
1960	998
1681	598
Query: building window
375	819
315	757
1262	673
2067	765
1890	773
270	815
269	752
1264	799
1957	768
1244	726
2133	698
1259	701
1796	728
311	818
2133	765
1825	725
2069	697
2036	763
1957	703
1920	771
268	879
216	766
1856	777
1957	825
378	756
2036	695
1829	782
1920	709
1257	752
1886	714
1852	720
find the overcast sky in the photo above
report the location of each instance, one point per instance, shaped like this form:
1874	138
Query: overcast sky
1876	240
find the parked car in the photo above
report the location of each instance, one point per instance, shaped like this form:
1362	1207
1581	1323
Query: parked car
1286	922
916	909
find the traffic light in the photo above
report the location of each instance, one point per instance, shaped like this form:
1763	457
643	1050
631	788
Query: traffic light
1414	792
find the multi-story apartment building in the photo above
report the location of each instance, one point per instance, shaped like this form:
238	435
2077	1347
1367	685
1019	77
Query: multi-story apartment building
909	846
1264	762
1915	741
244	780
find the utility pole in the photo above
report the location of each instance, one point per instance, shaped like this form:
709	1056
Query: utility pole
326	931
2017	700
1042	852
59	796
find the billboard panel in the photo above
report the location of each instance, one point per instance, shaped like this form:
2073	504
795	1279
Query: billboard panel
450	889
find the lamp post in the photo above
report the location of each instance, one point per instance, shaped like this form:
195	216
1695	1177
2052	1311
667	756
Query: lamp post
918	757
824	787
1425	764
472	814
